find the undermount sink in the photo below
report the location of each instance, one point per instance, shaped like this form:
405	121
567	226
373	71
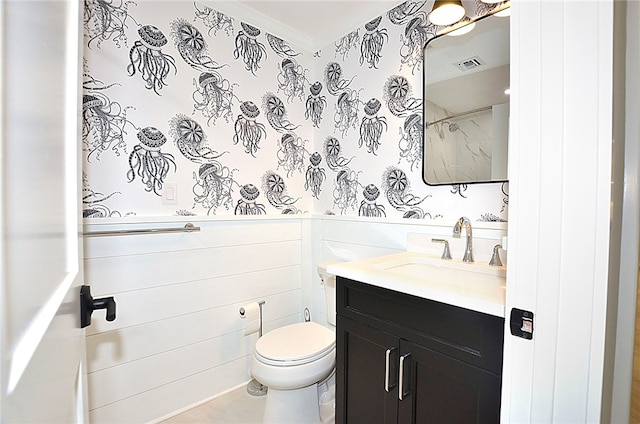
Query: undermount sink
476	285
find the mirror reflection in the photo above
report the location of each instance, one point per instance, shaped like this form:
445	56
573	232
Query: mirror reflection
466	104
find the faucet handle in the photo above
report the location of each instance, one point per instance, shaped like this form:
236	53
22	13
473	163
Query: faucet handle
495	258
446	253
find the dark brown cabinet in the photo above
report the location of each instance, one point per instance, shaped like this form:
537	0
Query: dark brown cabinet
404	359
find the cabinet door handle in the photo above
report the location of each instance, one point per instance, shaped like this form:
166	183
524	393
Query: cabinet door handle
403	389
388	384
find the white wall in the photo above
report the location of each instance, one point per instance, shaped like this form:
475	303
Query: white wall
178	339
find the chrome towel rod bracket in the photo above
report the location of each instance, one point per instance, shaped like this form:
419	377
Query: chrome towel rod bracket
188	228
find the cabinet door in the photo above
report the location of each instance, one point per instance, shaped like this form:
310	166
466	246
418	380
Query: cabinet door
439	389
366	374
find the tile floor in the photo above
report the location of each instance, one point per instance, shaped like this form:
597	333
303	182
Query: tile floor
236	407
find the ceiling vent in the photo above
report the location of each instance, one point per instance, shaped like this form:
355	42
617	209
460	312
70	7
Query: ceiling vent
471	63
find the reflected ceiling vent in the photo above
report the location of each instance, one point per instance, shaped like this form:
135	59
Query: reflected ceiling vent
471	63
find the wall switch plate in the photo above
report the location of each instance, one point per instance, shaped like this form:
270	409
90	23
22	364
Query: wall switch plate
170	194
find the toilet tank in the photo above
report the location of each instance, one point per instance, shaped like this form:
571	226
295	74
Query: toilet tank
329	283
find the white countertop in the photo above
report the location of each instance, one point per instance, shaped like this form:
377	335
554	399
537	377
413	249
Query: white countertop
478	287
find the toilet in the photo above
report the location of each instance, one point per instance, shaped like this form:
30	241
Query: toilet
292	360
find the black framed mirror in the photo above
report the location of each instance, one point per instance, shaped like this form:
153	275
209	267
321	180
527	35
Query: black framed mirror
466	104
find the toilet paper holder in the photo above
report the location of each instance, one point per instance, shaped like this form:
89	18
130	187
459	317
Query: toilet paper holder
242	313
254	387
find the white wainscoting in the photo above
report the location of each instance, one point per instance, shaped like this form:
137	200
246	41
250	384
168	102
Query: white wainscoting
178	339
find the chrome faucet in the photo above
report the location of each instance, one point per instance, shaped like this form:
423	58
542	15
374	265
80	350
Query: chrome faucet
457	231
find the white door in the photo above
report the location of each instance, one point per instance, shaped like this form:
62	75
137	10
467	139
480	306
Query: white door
42	346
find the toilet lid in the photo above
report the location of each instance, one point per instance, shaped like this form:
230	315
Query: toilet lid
301	343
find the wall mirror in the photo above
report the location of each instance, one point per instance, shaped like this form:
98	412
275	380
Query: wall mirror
466	104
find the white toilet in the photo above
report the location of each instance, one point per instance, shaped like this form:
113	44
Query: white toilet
292	360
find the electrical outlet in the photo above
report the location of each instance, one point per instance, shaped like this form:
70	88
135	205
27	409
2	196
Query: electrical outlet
170	194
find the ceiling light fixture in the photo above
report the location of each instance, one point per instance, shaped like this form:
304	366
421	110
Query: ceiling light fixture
503	13
446	12
491	1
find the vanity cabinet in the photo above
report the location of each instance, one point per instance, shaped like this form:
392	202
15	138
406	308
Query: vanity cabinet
405	359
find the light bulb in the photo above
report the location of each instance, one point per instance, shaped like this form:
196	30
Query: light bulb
446	12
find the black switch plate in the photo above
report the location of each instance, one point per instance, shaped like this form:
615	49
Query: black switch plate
521	323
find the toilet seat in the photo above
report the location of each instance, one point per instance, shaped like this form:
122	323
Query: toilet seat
295	344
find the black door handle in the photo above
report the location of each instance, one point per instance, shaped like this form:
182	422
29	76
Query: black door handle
88	304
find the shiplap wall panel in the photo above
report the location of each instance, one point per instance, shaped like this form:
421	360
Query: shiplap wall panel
187	322
177	323
216	234
150	304
131	272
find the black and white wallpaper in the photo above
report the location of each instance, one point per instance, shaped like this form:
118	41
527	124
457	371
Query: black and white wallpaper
236	121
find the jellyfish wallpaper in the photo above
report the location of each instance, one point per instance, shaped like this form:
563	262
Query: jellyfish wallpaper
249	48
148	162
315	104
247	205
191	140
292	79
372	43
372	126
213	96
257	124
148	60
213	187
104	125
192	46
315	175
247	129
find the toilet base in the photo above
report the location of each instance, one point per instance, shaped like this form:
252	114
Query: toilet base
299	406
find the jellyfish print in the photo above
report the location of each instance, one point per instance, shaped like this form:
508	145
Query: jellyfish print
346	190
332	152
247	130
369	207
291	153
147	58
213	187
106	20
276	192
247	205
103	125
402	13
372	126
148	162
93	202
291	79
214	20
397	95
416	35
346	115
249	48
315	175
276	113
459	189
396	186
372	43
412	140
191	140
192	47
213	96
346	43
333	79
315	104
281	47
